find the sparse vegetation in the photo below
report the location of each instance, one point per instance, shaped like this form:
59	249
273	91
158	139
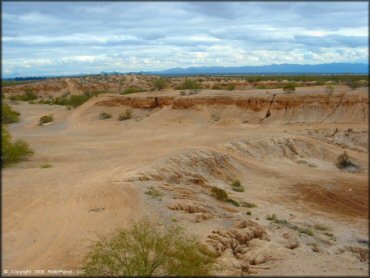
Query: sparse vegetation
148	249
237	186
125	116
249	212
234	202
13	152
46	165
271	217
247	204
289	88
189	84
160	83
8	115
75	100
154	192
132	90
321	227
28	95
219	193
306	231
46	119
104	116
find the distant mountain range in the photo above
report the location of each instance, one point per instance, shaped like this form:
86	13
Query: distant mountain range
333	68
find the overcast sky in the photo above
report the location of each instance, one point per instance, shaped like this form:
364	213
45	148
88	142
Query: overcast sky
46	38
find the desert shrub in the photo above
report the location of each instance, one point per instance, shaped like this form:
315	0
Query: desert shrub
219	193
234	202
45	165
247	204
75	100
249	213
289	88
231	86
148	249
125	116
13	152
271	217
189	84
183	92
329	90
27	96
160	83
104	116
237	186
344	162
154	192
8	115
215	117
321	227
46	119
306	231
132	90
352	83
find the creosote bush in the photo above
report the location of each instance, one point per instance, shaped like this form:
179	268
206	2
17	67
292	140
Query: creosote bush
148	249
125	116
219	193
289	88
9	116
13	152
104	116
132	90
237	186
46	119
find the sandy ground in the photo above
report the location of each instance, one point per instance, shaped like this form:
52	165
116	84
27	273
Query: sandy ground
102	168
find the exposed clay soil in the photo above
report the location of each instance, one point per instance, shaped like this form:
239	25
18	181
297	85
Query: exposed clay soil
283	149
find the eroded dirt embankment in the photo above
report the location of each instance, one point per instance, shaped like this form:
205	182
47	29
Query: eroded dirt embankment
340	108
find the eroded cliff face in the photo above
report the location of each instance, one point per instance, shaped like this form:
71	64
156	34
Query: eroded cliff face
315	108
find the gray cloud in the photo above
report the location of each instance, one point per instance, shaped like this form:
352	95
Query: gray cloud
74	37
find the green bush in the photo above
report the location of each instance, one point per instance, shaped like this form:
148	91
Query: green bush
189	84
219	193
46	165
27	96
237	186
13	152
132	90
104	116
234	202
247	204
8	115
154	192
160	83
289	88
46	119
125	116
76	100
148	249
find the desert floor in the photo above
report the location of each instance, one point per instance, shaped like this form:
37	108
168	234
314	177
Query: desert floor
101	170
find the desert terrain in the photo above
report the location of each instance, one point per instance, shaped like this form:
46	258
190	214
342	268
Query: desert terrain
299	214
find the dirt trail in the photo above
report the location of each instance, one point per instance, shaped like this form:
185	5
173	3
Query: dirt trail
102	168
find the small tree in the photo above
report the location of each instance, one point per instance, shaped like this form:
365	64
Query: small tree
289	88
148	249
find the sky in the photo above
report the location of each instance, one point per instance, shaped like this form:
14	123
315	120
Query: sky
61	38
